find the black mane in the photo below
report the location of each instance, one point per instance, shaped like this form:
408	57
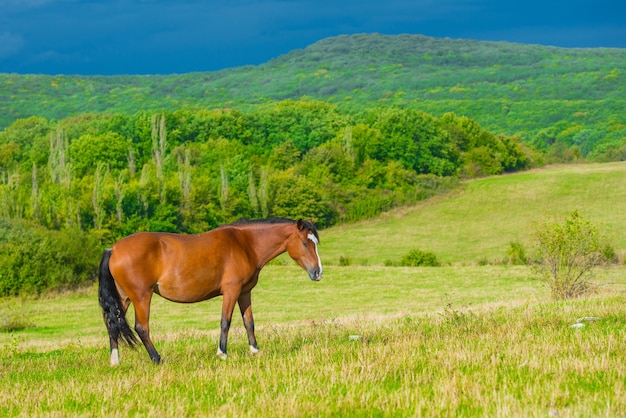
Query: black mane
274	220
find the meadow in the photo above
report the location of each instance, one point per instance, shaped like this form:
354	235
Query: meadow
477	223
475	337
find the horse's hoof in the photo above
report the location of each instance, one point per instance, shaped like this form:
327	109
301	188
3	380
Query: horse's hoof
115	357
221	355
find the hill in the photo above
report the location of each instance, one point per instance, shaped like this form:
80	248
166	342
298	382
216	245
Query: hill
478	224
546	94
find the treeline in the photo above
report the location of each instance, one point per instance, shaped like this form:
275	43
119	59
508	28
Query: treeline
568	102
191	170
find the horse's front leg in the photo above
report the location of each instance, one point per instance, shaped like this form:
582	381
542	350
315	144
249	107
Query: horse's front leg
245	305
228	305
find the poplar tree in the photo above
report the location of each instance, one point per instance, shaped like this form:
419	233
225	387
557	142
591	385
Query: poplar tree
159	145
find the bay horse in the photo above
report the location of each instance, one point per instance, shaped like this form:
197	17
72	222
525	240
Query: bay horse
182	268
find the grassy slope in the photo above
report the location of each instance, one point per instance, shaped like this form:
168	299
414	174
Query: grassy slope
460	340
481	221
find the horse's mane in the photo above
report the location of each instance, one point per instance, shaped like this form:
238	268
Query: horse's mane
274	220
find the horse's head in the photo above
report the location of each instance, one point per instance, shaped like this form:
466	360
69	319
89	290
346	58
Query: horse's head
302	247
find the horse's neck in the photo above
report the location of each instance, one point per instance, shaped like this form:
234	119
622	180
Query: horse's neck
270	241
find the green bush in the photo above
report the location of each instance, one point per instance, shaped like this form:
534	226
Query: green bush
568	253
345	261
417	258
34	260
16	322
516	254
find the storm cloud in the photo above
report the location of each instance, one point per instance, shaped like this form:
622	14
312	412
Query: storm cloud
162	37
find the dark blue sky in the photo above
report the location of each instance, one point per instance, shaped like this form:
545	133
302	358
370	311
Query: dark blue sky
180	36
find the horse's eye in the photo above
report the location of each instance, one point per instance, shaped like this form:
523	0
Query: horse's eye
305	244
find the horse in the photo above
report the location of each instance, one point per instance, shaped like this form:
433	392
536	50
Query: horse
185	268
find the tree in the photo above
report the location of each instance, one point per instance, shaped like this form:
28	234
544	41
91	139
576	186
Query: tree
296	197
89	150
416	140
159	146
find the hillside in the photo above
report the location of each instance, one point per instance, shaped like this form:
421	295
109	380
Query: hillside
546	94
478	223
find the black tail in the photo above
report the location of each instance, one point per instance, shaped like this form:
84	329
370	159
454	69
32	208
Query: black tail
112	310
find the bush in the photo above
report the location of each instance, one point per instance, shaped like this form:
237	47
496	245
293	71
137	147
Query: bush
16	323
568	253
34	260
516	254
417	258
345	261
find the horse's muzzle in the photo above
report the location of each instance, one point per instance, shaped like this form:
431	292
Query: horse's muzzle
315	274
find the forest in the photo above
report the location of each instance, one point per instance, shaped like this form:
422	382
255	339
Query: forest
555	99
344	130
104	176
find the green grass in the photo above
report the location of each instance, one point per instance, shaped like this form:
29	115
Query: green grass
460	340
479	222
284	295
515	358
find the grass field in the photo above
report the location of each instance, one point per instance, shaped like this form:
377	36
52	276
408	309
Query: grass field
480	221
465	339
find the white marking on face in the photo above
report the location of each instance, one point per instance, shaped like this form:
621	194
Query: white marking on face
115	357
313	239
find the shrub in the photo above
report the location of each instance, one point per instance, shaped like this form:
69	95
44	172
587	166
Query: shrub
345	261
34	260
16	323
417	258
568	253
516	254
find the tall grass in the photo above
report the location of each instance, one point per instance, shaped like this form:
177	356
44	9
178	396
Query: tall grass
523	360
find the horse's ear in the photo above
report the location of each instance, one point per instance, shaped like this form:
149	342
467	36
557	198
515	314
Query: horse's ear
300	224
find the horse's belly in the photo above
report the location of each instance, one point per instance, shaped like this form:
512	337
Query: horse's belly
186	291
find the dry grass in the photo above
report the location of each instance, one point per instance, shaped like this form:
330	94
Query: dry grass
523	360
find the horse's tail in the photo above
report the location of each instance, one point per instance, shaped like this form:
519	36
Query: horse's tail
111	303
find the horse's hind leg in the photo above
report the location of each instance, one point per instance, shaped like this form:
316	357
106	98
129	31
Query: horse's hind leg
142	327
245	305
115	354
113	340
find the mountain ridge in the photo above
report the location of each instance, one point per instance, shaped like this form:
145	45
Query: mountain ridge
507	87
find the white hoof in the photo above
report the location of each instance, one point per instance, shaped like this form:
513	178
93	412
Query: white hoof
254	350
221	355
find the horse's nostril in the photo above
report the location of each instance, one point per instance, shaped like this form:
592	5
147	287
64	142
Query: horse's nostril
315	274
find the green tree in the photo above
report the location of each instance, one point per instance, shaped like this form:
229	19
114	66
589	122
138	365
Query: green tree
24	140
109	148
296	197
415	139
